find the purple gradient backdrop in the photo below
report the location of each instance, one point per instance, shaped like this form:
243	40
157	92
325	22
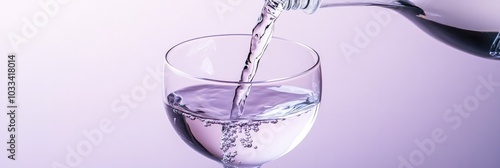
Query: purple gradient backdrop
75	71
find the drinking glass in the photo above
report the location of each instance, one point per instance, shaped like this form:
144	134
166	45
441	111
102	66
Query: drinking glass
200	79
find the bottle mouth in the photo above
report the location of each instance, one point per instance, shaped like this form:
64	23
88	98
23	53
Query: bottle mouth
308	6
495	47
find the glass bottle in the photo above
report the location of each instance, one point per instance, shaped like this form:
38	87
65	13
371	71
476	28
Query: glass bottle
469	26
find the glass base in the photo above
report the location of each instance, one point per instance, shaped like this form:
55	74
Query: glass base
228	166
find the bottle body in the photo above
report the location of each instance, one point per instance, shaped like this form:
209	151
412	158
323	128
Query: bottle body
469	26
465	14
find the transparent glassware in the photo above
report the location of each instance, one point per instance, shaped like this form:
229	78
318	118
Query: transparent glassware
470	26
200	77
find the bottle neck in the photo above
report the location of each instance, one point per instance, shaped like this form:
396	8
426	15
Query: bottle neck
310	6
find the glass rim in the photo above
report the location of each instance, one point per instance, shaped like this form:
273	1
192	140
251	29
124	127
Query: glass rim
178	71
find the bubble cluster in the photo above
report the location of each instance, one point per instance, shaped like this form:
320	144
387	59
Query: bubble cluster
230	131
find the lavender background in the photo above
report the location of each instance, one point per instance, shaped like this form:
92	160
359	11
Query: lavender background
76	69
